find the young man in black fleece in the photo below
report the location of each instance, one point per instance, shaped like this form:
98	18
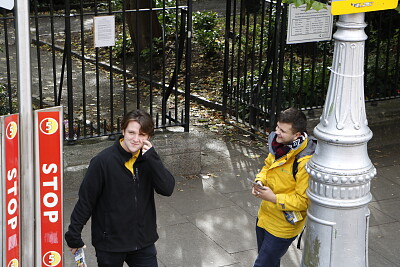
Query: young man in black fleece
118	194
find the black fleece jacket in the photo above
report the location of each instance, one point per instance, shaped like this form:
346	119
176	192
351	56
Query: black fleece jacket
121	204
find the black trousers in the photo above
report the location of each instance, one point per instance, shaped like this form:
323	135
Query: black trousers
270	248
145	257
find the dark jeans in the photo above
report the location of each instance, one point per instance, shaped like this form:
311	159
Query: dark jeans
270	248
145	257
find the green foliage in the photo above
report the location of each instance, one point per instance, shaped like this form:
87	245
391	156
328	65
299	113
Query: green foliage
206	32
304	86
118	49
116	4
381	67
155	50
167	17
206	20
4	101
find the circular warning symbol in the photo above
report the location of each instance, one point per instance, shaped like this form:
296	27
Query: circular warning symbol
13	263
48	126
51	258
11	130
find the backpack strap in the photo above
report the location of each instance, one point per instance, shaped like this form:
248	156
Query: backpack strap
309	150
300	236
295	167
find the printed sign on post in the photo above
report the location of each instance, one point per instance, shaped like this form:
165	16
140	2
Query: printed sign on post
341	7
7	4
49	180
104	31
308	26
10	184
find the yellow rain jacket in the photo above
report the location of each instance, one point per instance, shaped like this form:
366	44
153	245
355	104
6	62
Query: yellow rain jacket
290	191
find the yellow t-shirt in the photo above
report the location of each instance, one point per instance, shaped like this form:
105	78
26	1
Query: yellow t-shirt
131	161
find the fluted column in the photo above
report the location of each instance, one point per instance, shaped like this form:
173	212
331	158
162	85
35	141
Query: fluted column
341	171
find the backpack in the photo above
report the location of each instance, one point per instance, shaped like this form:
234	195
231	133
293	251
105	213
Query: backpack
298	156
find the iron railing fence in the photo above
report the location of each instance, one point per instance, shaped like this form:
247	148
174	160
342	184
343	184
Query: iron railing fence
263	74
98	85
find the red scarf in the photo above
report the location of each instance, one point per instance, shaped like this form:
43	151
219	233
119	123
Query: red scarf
281	150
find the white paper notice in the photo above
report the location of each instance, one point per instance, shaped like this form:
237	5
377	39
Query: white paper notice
7	4
309	26
104	31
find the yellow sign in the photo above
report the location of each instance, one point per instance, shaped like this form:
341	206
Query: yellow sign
341	7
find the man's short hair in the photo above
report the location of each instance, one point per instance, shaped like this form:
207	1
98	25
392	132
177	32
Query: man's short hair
143	118
296	117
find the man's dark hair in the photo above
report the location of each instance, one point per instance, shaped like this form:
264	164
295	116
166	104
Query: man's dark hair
296	118
143	118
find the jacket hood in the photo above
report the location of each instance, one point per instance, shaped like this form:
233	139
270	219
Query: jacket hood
310	148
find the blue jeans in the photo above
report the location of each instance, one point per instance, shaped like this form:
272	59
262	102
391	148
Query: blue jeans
270	248
145	257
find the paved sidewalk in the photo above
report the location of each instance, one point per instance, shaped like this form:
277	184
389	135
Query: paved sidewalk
209	220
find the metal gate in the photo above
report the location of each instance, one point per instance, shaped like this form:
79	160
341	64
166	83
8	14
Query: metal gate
98	85
263	75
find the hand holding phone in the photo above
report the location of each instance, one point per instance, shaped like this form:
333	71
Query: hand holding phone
256	184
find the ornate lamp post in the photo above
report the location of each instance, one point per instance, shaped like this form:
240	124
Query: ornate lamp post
341	171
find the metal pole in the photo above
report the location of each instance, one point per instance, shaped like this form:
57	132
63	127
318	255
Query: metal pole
71	131
188	60
26	131
341	171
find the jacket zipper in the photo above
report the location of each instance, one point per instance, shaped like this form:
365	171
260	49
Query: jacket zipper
137	176
136	180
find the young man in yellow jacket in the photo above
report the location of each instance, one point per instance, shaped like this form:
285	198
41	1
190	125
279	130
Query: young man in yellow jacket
282	185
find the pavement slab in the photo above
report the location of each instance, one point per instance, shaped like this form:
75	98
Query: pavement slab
185	245
375	259
384	240
194	195
382	188
166	214
246	201
227	182
225	226
390	173
389	207
378	217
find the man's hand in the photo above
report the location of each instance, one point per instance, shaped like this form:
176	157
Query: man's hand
146	146
260	187
265	194
73	250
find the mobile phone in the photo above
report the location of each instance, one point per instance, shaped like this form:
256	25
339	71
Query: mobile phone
256	184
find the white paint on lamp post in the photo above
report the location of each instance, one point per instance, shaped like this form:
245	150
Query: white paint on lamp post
340	170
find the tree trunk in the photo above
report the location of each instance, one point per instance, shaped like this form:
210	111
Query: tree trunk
143	25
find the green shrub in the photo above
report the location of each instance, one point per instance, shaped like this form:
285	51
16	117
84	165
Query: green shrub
206	32
118	48
4	101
